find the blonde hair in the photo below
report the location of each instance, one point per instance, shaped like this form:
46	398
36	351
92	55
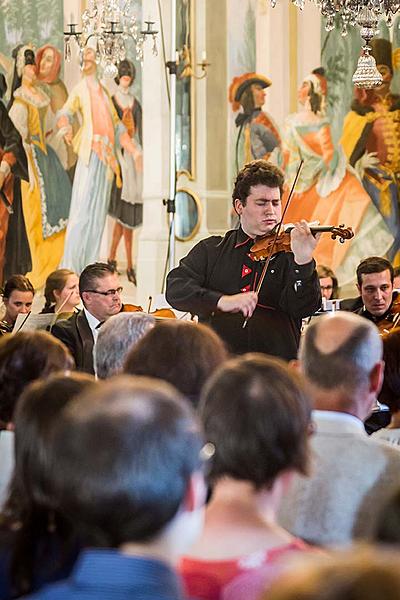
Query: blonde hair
363	572
55	281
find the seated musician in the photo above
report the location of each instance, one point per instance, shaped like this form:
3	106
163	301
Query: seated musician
100	291
217	280
328	282
17	297
375	284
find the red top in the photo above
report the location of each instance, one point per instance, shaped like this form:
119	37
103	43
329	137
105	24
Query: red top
246	575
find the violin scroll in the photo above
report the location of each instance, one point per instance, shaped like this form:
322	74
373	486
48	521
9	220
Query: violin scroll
342	232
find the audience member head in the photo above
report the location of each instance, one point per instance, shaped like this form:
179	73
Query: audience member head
328	282
100	290
17	296
375	284
116	338
256	413
62	291
29	508
390	392
361	573
146	486
341	357
180	352
25	357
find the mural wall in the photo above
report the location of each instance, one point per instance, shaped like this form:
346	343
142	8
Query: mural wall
63	166
349	141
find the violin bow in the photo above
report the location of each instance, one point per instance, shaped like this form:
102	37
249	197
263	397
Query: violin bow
278	229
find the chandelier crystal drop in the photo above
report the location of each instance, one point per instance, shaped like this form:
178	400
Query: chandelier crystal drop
107	26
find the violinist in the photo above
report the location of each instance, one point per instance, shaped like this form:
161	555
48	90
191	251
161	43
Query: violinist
379	300
17	296
218	278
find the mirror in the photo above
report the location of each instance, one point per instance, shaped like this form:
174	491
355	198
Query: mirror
188	214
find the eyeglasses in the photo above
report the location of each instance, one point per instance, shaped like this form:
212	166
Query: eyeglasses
107	293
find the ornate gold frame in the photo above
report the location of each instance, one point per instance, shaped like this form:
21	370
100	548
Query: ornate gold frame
197	201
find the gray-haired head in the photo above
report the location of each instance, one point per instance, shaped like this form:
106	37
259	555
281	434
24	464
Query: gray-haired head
116	338
339	353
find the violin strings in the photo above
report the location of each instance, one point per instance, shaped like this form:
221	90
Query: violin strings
278	227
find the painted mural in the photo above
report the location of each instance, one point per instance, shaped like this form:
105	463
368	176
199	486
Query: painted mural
366	124
349	140
58	182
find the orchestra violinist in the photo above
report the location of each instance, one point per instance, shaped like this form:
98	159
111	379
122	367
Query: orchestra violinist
218	279
380	303
17	297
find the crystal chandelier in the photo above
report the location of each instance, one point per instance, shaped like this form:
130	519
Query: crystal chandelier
107	25
351	11
367	75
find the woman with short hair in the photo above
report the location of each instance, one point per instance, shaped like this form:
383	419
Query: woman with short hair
256	414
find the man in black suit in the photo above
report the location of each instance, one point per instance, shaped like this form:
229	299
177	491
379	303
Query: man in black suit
100	290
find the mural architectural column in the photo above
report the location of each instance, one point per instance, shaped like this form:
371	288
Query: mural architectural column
153	238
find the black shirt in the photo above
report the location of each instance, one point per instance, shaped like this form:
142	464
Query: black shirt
220	266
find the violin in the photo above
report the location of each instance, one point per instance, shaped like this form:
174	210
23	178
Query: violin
392	320
159	313
271	244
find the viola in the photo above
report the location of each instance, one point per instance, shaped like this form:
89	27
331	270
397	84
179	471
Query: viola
271	244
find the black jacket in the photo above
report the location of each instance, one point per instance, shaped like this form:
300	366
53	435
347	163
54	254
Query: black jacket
217	266
76	334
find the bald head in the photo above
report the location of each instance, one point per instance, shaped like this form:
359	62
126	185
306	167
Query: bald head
340	351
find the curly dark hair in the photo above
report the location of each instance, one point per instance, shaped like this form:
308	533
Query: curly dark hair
258	172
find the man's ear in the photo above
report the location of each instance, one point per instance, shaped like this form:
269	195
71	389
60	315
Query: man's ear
238	206
85	298
295	365
196	492
376	377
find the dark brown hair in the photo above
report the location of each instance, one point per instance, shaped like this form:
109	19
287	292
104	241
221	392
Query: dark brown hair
258	172
91	273
25	357
125	454
180	352
28	509
19	283
373	264
256	412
